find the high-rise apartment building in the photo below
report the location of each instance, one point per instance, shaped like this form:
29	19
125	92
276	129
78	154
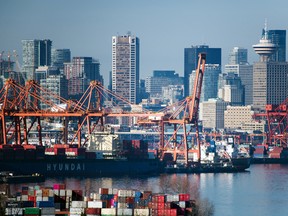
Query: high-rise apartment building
59	57
278	37
35	53
43	72
57	84
213	56
270	78
210	81
125	67
80	72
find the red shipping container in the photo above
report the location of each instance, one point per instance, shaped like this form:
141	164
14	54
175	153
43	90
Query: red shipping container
59	186
158	198
161	212
129	200
103	190
95	211
173	212
184	197
31	198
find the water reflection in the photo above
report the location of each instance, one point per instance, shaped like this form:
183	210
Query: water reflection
261	191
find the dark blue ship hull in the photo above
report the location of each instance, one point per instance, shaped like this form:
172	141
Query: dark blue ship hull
81	167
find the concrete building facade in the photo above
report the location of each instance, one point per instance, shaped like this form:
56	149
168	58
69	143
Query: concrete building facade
236	116
125	67
212	113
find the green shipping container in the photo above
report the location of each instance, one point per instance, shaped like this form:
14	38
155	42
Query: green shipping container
31	211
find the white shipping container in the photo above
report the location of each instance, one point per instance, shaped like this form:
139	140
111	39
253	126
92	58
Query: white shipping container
121	205
51	193
13	211
182	204
108	211
39	198
56	192
68	193
125	211
38	192
110	191
115	191
95	196
48	211
76	210
95	204
142	212
62	192
122	193
45	198
172	198
79	204
31	192
24	198
75	214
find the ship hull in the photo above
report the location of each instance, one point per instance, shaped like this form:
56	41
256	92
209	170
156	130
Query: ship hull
235	165
81	167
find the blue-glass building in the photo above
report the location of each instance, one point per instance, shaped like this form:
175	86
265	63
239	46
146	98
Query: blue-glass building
278	37
213	56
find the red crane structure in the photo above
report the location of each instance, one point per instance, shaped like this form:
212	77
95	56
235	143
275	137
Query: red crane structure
21	112
277	121
181	115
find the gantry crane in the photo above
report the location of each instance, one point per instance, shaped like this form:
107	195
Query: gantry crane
22	103
180	115
277	121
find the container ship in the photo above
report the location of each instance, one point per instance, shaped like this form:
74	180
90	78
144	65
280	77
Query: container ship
215	158
264	154
111	158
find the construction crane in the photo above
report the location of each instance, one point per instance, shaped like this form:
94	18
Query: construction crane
18	71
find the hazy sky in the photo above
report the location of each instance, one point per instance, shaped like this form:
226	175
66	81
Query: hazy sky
165	27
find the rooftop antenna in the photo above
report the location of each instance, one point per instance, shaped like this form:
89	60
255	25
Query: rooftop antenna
265	30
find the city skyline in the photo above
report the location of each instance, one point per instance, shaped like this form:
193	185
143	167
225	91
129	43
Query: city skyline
163	29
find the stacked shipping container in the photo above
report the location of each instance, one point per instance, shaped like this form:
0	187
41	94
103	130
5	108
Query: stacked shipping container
108	201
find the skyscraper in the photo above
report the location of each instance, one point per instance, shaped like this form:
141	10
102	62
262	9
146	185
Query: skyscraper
239	65
213	56
80	72
270	78
231	89
278	37
210	81
59	56
35	53
238	56
125	67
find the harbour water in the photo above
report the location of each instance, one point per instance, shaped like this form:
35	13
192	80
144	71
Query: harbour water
262	190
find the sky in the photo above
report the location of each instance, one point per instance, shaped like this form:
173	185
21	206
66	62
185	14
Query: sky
164	27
